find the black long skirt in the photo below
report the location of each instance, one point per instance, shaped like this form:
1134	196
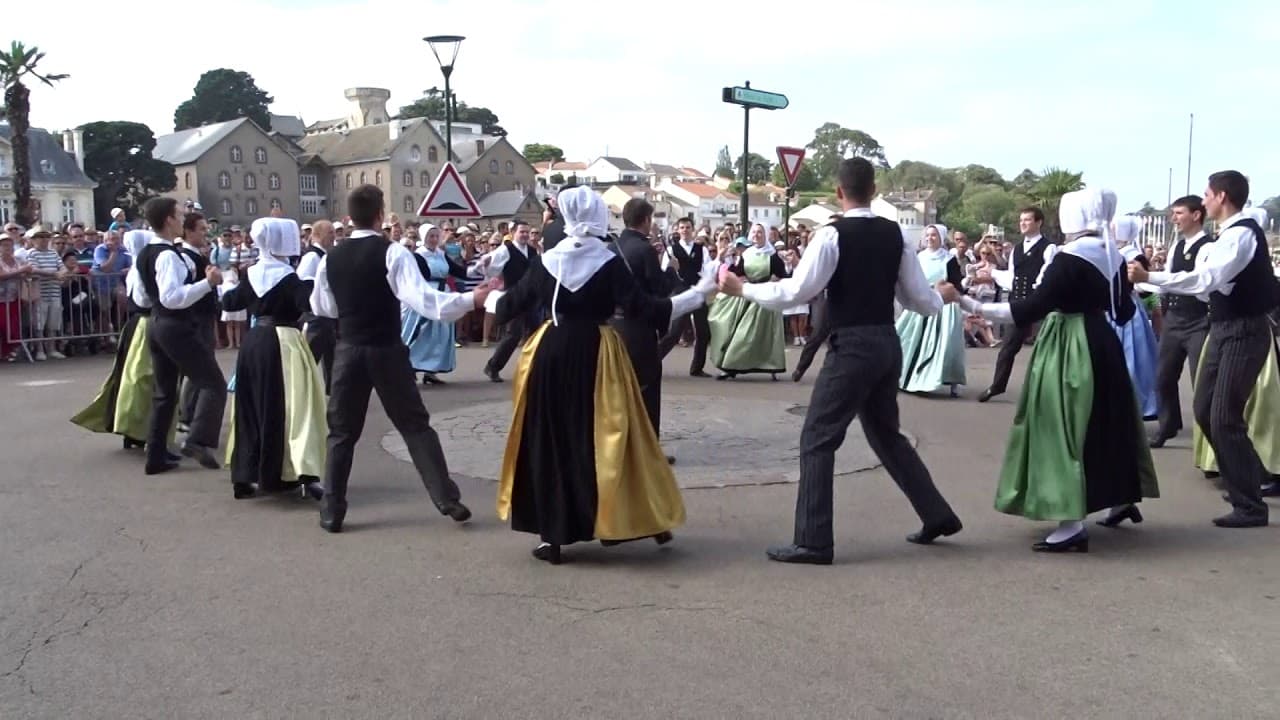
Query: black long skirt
259	412
1114	448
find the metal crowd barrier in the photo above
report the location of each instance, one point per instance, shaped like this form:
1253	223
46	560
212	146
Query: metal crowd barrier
84	318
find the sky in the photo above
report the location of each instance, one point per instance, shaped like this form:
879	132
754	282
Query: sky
1100	87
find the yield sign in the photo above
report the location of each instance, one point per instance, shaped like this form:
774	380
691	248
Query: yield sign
449	197
790	159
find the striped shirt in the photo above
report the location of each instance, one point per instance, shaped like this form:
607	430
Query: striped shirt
48	261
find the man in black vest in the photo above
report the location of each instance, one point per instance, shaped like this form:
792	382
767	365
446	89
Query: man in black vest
174	337
362	282
1186	319
195	231
821	330
1234	276
322	332
1028	260
511	262
640	338
864	263
690	255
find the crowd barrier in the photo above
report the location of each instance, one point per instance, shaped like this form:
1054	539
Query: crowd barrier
75	314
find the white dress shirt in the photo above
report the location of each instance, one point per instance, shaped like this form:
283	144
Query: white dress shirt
406	283
1217	264
172	271
1004	278
309	264
499	258
818	264
133	286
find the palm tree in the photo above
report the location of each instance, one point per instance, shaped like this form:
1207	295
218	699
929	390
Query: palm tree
1048	192
17	63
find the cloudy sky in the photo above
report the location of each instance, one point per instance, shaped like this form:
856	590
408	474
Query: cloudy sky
1103	87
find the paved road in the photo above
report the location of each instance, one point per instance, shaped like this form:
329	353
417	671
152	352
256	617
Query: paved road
125	596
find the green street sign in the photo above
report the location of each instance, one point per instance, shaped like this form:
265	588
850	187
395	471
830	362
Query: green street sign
748	97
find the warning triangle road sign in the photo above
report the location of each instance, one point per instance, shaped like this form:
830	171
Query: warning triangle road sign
790	159
449	197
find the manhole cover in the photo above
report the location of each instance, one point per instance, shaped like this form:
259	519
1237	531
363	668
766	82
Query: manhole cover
717	442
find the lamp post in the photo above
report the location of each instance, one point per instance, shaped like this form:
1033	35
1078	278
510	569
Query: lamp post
446	46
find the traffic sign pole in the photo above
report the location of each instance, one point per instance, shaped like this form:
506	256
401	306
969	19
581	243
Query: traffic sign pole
746	155
790	159
749	98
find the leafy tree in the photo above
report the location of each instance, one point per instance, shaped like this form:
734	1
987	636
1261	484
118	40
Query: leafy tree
539	152
758	168
118	156
724	163
988	204
1272	206
915	175
557	179
17	63
432	106
981	175
1025	182
1049	189
221	95
806	178
833	143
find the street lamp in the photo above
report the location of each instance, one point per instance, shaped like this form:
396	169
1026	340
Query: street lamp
446	46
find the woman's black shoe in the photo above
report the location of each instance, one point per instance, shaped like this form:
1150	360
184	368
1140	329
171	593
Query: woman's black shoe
131	444
547	552
1130	512
664	537
243	490
1076	543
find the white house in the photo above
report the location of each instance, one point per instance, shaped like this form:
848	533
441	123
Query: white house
708	203
551	176
610	170
659	173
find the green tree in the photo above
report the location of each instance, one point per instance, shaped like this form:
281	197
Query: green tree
833	143
118	156
1272	206
988	204
758	168
1048	191
17	63
557	179
806	179
981	175
539	152
221	95
724	163
1025	182
915	175
432	106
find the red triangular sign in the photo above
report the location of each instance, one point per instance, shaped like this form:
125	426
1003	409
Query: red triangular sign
449	197
790	159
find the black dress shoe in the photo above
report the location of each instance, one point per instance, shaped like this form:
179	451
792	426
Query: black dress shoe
988	394
313	490
799	554
726	376
1076	543
492	375
698	373
332	513
1130	513
927	534
1159	439
201	455
431	379
547	552
1271	489
671	459
131	444
1212	474
243	490
457	511
1235	519
664	537
157	468
795	376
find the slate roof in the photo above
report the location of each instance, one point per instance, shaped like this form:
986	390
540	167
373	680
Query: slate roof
187	146
359	145
622	164
503	203
664	170
288	125
465	149
50	164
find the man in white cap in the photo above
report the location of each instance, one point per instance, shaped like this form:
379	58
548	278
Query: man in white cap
118	221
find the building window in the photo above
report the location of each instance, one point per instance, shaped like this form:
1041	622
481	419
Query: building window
377	178
518	186
511	168
307	183
273	181
224	180
408	178
251	207
226	206
68	211
250	181
276	204
310	206
186	181
363	179
408	204
432	154
260	156
424	180
415	154
493	167
348	181
6	210
236	154
488	187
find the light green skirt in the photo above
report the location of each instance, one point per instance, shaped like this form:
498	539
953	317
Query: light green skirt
745	337
1262	412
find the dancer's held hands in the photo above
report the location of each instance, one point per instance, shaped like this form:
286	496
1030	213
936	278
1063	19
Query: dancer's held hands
479	294
1137	273
213	275
948	292
730	284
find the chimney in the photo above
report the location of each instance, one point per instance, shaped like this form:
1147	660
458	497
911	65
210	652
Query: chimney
77	138
479	148
393	130
368	106
68	142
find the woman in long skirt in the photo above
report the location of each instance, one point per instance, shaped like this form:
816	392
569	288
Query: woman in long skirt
582	459
123	405
746	338
432	347
1137	335
933	346
278	426
1077	444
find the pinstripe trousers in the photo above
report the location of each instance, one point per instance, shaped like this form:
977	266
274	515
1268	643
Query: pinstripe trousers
859	378
1233	359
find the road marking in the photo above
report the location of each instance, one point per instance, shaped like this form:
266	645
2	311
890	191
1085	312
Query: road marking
43	383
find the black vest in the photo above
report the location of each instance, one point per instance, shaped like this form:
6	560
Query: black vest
147	271
862	287
1185	261
314	249
368	311
1255	291
207	306
690	263
1026	268
517	264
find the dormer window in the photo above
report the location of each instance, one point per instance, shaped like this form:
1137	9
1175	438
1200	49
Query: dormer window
480	148
46	167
